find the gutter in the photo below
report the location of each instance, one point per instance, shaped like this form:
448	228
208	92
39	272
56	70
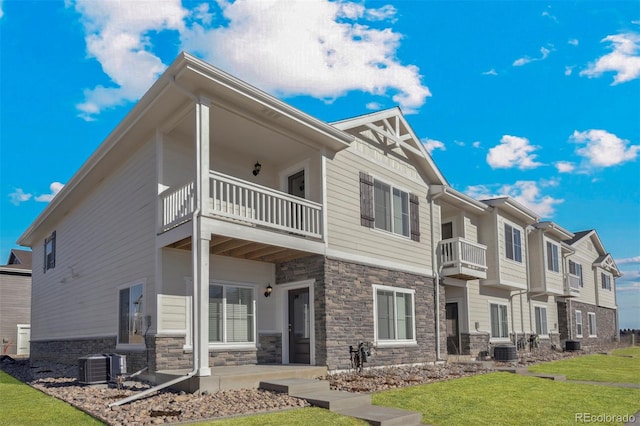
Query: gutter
195	250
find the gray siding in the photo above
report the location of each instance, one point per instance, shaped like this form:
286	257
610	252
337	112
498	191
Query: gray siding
15	308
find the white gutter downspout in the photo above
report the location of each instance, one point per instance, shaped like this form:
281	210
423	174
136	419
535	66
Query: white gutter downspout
436	274
195	250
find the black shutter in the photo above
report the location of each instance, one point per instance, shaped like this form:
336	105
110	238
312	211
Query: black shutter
53	250
414	209
366	200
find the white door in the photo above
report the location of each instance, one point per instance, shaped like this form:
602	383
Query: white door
24	336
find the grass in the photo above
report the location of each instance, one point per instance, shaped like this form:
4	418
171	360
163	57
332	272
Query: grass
24	405
303	416
501	398
623	366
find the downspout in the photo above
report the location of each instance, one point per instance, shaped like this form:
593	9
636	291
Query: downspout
195	250
436	274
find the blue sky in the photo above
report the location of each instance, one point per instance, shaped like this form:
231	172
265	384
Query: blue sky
537	100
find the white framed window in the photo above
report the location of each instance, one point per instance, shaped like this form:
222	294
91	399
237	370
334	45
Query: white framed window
391	208
605	280
232	314
592	324
513	243
575	269
579	323
553	258
50	252
499	321
394	315
131	314
541	320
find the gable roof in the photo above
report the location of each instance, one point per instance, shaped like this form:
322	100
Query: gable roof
604	260
577	236
389	129
186	79
20	257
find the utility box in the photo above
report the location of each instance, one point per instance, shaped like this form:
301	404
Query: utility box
117	366
93	369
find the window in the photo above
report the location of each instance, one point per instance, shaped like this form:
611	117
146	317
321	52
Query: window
384	207
579	323
513	243
606	281
391	209
499	321
575	269
131	314
552	257
394	314
231	314
50	252
592	324
541	321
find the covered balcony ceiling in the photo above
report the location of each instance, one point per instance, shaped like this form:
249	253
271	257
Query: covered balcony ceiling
259	138
243	249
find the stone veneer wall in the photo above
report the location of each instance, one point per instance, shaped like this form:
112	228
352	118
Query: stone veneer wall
270	348
343	297
606	323
475	344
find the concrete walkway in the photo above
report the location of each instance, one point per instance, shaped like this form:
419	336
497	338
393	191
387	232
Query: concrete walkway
317	393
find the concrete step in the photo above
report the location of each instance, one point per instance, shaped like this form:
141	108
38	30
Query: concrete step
334	400
383	416
295	385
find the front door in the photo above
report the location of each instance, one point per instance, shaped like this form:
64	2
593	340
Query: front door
453	331
299	327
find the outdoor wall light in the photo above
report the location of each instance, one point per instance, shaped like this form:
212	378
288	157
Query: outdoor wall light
268	290
256	168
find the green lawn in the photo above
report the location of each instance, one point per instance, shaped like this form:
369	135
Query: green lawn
23	405
303	416
505	398
622	366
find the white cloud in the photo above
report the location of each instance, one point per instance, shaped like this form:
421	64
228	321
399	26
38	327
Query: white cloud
629	281
373	106
116	34
1	10
55	187
323	49
431	145
626	260
513	151
603	149
476	144
623	60
528	193
18	196
568	70
574	42
492	71
550	16
544	53
564	166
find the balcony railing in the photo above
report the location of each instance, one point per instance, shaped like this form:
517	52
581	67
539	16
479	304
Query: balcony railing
255	204
246	202
462	258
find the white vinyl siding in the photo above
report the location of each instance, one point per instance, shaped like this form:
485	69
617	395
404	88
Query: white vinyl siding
579	323
541	320
394	315
513	243
592	324
553	257
499	321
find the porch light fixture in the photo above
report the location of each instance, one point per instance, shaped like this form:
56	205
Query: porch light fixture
268	290
256	168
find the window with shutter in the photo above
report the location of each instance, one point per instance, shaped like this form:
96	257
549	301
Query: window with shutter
366	200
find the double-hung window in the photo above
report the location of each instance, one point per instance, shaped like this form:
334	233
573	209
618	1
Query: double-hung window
513	243
499	321
575	270
553	257
579	323
231	314
541	321
391	208
605	280
50	252
394	314
131	315
592	324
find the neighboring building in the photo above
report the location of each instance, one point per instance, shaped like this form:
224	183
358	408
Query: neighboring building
15	303
218	225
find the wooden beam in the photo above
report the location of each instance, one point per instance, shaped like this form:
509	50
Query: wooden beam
247	249
229	245
265	251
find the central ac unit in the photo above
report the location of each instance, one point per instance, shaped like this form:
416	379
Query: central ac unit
93	369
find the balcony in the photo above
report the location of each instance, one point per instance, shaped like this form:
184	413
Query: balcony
572	286
245	203
462	259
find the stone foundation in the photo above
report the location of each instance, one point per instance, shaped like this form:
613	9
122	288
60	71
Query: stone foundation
606	323
270	348
475	344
